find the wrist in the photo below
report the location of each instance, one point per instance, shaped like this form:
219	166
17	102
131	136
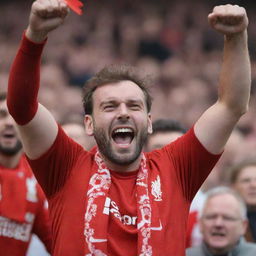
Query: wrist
31	48
36	37
236	36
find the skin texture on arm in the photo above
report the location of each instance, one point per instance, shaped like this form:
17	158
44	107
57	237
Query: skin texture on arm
216	124
40	132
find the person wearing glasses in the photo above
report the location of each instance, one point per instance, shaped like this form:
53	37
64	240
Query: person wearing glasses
223	223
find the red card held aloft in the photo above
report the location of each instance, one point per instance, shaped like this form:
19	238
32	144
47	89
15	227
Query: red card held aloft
75	5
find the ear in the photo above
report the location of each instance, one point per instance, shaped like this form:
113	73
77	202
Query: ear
150	129
244	227
88	123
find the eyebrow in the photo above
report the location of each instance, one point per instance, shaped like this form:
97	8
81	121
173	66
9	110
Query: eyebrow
135	101
113	101
108	102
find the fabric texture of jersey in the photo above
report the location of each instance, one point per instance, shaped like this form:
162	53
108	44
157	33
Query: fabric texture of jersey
23	210
181	168
175	173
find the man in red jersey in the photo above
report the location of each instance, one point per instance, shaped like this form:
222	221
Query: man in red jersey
116	200
23	208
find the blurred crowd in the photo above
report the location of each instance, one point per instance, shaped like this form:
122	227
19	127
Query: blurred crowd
170	41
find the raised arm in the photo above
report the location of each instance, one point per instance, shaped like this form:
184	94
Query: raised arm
215	125
37	127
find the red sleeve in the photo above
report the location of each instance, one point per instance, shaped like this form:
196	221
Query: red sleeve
23	83
192	220
54	167
192	162
42	225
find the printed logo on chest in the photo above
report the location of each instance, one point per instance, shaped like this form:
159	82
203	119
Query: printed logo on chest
31	190
156	189
110	206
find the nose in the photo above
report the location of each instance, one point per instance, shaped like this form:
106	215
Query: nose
123	112
253	182
218	221
9	121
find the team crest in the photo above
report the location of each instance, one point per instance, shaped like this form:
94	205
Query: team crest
156	189
31	190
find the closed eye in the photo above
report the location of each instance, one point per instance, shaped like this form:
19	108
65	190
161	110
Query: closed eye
134	106
108	105
108	108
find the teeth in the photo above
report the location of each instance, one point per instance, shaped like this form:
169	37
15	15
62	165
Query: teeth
123	130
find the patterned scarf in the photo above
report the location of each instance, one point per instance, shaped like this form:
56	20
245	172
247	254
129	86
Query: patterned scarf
96	223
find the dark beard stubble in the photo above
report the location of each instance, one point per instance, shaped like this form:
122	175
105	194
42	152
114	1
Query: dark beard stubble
11	151
105	149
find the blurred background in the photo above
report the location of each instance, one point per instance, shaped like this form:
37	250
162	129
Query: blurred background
170	41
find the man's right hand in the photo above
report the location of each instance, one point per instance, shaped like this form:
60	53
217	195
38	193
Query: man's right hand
45	16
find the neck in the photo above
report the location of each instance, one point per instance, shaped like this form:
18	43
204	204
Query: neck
218	252
122	168
213	251
222	251
10	161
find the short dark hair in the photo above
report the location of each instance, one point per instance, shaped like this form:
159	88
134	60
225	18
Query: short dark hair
235	170
167	125
114	74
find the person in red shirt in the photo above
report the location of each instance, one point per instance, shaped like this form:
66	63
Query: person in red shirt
23	208
115	199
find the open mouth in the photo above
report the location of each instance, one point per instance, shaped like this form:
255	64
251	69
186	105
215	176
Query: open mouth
123	136
8	135
218	234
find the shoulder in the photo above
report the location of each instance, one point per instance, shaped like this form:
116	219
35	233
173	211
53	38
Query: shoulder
248	249
194	251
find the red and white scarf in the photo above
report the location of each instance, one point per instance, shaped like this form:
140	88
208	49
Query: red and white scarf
96	223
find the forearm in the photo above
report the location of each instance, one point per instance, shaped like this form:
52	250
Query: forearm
24	82
235	77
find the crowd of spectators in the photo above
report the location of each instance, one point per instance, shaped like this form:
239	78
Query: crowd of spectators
170	41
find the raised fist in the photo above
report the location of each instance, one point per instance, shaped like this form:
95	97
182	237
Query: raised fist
228	19
45	16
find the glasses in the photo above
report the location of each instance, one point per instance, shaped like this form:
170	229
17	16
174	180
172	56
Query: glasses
225	218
